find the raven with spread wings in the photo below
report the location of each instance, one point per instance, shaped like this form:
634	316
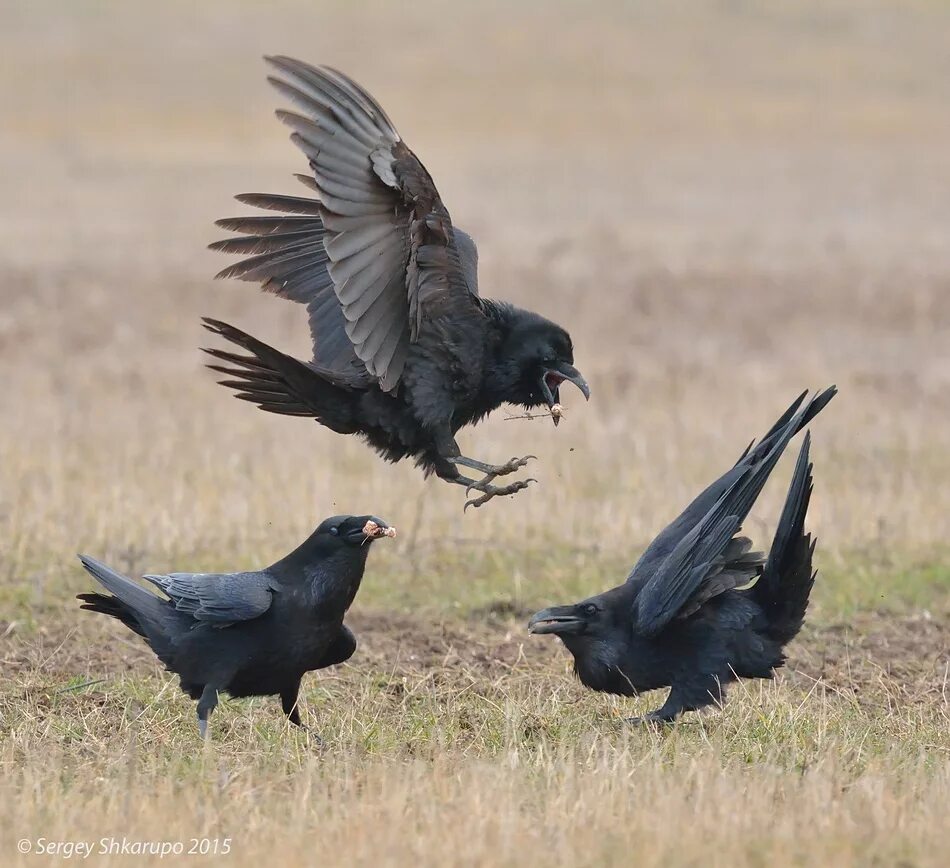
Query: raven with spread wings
686	617
406	353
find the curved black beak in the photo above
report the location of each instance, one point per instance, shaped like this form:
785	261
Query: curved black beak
557	619
555	375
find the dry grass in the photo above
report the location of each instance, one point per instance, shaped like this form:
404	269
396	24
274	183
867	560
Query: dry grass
726	202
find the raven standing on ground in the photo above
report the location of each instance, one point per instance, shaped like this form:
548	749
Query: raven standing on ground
680	620
250	634
406	353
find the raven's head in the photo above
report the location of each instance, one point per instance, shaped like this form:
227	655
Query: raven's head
540	356
597	633
352	530
595	617
586	618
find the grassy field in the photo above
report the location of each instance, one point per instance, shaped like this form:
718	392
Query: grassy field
726	203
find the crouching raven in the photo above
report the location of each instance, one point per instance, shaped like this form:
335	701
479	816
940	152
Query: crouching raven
249	634
683	619
406	353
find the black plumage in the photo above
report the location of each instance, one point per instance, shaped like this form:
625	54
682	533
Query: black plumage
406	353
685	618
249	634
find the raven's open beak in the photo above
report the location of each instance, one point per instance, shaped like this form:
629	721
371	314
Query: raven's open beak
557	619
554	376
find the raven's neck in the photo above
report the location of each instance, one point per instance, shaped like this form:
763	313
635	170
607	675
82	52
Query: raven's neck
327	572
502	374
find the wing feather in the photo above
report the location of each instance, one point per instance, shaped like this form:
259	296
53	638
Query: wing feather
375	251
696	546
269	225
351	241
266	243
219	598
274	265
276	202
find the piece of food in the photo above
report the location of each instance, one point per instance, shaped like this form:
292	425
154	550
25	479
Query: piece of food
373	530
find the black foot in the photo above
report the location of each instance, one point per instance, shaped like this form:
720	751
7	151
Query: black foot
490	491
493	470
485	484
313	736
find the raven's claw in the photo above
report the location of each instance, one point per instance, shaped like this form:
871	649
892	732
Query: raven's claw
313	736
492	471
490	491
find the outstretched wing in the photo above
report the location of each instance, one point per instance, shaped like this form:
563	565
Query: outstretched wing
695	548
376	254
790	422
219	598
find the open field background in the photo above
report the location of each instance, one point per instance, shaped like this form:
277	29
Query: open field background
726	202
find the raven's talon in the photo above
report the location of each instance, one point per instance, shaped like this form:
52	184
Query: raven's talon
512	465
496	470
490	491
315	738
311	734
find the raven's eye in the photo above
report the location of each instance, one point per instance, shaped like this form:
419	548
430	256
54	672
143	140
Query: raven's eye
334	531
590	609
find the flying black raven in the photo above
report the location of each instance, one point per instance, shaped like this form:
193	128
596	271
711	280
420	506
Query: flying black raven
406	353
683	619
250	634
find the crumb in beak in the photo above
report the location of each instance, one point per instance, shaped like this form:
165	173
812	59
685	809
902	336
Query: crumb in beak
557	411
372	530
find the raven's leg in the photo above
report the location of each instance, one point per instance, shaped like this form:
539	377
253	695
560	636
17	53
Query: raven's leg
339	650
708	690
492	470
489	491
665	714
448	456
206	704
288	701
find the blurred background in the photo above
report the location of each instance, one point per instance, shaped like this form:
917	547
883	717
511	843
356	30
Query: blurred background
725	202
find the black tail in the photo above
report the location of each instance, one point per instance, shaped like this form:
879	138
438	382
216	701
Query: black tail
280	383
112	606
787	580
140	610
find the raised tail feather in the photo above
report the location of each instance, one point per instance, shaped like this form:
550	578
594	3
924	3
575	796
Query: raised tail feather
279	383
787	580
140	610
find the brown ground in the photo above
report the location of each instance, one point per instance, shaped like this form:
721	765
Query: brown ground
906	656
